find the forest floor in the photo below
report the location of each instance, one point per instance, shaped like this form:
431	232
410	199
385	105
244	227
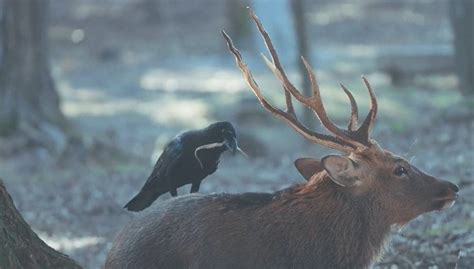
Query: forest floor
127	100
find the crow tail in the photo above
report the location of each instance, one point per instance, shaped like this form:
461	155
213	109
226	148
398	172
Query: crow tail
142	200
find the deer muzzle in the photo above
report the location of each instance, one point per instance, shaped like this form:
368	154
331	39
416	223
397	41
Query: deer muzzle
446	198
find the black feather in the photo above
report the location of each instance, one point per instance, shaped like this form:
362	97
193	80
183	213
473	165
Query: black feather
178	165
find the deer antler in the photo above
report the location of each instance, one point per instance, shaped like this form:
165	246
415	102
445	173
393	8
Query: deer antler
343	140
363	133
354	110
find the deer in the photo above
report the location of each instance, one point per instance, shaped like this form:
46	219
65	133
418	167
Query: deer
340	217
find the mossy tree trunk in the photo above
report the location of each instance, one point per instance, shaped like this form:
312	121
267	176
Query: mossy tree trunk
29	103
20	247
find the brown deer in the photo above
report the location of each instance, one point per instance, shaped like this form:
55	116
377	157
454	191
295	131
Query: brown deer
340	217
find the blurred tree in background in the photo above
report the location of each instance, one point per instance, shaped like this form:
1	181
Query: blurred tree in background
285	21
299	19
462	19
238	25
29	106
29	101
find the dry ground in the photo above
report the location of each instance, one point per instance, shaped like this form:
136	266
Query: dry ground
127	96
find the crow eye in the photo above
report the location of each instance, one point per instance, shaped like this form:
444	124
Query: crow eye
400	171
226	131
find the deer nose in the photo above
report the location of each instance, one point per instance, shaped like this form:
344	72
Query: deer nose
449	188
453	187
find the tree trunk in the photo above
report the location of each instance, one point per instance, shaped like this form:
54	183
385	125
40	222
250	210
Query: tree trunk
297	7
29	103
20	247
462	20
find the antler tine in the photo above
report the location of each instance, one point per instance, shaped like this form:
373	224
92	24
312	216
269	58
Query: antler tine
288	100
275	64
325	140
366	127
276	61
315	102
352	126
318	107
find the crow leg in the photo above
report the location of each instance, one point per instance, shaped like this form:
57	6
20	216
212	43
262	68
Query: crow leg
173	192
195	186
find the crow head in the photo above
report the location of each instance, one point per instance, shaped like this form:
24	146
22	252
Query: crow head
223	134
220	134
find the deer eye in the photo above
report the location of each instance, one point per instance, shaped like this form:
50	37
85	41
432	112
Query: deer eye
400	171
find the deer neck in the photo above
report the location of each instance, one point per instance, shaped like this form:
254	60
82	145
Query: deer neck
353	229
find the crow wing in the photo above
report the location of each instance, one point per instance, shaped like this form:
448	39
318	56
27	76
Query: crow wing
165	165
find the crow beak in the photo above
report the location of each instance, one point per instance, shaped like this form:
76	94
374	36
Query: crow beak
230	141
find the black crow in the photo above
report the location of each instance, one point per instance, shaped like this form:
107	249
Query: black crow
187	159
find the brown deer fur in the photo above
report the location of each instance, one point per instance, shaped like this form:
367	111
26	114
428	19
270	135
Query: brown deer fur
317	224
339	218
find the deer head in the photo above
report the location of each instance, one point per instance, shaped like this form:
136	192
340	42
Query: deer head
363	168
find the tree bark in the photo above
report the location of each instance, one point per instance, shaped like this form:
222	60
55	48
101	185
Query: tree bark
20	247
29	103
462	20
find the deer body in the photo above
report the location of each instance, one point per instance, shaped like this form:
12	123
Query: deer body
339	218
286	229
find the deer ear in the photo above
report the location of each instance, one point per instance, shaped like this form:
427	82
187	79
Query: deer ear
341	170
308	167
